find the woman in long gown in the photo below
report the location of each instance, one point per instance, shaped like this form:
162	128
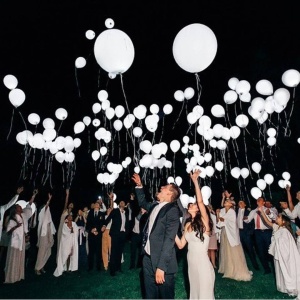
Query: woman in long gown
286	256
45	233
197	234
232	261
17	228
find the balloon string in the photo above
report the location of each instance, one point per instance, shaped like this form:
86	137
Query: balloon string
59	127
272	161
270	192
121	76
162	130
182	107
245	146
37	169
63	175
77	83
11	122
291	112
199	87
227	114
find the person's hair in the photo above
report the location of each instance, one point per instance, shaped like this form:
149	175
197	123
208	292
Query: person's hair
13	212
198	226
68	216
287	224
174	189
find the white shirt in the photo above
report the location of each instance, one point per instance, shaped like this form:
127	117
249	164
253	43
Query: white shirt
123	217
152	218
295	213
253	215
240	217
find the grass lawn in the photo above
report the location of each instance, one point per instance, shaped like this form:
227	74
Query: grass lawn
126	285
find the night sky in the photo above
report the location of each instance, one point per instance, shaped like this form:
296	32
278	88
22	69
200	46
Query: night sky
40	41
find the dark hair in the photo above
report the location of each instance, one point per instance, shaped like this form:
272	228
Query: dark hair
287	224
175	191
198	226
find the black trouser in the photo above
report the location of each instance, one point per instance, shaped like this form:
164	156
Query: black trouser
135	249
95	250
153	290
247	240
117	248
263	241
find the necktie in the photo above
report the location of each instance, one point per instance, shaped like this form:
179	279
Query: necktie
96	214
257	220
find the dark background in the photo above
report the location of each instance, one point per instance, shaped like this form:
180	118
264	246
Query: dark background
40	41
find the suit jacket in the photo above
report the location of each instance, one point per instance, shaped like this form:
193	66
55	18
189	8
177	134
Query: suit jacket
162	235
95	222
116	224
248	227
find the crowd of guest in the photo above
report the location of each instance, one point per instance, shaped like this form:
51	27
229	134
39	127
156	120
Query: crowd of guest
94	238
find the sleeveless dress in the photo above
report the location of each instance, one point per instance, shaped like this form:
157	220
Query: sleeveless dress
200	270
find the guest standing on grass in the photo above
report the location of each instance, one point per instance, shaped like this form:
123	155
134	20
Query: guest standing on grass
67	257
17	228
197	234
45	235
80	221
68	208
286	256
159	261
232	261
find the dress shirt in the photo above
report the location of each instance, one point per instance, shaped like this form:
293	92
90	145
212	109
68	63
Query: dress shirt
295	213
253	215
123	217
240	217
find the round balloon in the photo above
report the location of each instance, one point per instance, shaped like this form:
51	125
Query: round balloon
195	47
114	51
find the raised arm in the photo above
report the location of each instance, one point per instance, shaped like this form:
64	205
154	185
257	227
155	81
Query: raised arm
289	197
265	217
13	200
48	201
33	196
194	177
66	199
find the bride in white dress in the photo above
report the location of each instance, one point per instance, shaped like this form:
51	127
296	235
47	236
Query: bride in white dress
197	234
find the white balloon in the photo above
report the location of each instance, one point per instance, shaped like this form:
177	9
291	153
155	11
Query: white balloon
282	96
218	130
146	146
242	120
221	145
95	155
119	111
243	87
167	109
79	127
271	141
232	82
235	172
170	179
175	145
198	111
90	34
34	119
69	156
179	96
49	134
286	175
103	150
210	171
281	183
271	132
102	95
245	173
261	184
191	118
109	113
256	193
230	97
60	157
96	122
16	97
87	120
96	107
140	112
109	23
206	194
80	62
256	167
189	93
286	183
218	111
195	47
269	178
137	170
291	78
112	75
154	109
77	142
10	81
137	132
246	97
178	180
114	51
61	114
207	157
264	87
48	123
213	143
235	132
69	144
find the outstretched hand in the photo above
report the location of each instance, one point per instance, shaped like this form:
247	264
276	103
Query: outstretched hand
136	179
194	175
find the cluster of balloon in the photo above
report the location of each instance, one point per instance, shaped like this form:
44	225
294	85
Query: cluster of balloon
285	181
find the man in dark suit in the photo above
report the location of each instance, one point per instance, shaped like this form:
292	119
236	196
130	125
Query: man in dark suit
118	232
159	261
95	221
246	233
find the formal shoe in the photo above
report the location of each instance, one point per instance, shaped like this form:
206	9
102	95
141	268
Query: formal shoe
38	272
